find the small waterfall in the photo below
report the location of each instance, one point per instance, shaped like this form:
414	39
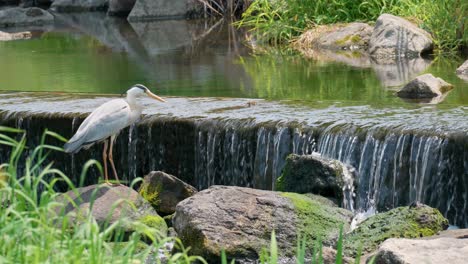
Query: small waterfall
394	166
397	167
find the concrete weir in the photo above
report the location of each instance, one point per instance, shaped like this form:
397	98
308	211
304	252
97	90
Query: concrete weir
401	154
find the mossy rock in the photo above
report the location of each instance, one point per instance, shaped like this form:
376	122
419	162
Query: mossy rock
313	174
156	222
318	218
402	222
241	221
164	191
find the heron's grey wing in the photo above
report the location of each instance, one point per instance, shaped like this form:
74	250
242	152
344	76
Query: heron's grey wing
104	121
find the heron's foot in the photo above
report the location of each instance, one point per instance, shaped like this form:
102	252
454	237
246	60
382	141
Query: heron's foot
108	183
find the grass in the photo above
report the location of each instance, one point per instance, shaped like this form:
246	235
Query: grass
279	22
29	232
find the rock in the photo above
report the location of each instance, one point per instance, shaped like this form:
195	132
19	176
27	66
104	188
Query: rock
120	7
241	220
24	17
462	71
5	36
79	5
401	222
424	86
397	71
160	9
395	36
165	191
353	36
409	251
317	175
108	207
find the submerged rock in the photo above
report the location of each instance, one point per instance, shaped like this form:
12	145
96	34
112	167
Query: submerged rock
120	7
402	222
25	17
241	220
395	36
317	175
158	9
109	204
165	191
79	5
425	86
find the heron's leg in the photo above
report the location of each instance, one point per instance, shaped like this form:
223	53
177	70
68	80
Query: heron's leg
104	160
112	139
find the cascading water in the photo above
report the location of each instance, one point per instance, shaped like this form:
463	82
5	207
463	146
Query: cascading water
395	164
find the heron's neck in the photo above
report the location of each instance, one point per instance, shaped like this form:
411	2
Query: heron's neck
133	102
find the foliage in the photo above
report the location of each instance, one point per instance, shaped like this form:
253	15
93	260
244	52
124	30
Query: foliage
31	231
280	21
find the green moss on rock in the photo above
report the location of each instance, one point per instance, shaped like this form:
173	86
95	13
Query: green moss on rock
151	194
318	220
401	222
155	221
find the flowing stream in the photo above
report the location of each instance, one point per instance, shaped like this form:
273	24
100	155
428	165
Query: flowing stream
232	117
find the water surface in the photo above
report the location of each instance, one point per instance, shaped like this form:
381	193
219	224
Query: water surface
91	53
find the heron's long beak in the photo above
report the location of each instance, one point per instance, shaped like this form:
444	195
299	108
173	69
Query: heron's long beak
152	95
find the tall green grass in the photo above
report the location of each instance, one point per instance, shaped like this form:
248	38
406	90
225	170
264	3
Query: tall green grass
280	21
31	231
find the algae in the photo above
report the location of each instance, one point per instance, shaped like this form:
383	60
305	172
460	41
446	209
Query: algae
151	194
401	222
156	222
317	221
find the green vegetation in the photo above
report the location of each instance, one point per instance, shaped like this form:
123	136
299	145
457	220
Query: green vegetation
280	21
316	222
405	222
151	194
31	231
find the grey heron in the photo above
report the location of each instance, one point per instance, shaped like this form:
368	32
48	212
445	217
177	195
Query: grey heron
106	121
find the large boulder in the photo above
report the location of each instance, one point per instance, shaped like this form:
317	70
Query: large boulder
414	251
395	36
25	17
120	7
317	175
79	5
424	86
108	205
403	222
160	9
241	220
165	191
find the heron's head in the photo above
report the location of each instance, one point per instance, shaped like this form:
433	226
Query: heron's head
139	89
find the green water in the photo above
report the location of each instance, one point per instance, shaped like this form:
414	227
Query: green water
216	66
